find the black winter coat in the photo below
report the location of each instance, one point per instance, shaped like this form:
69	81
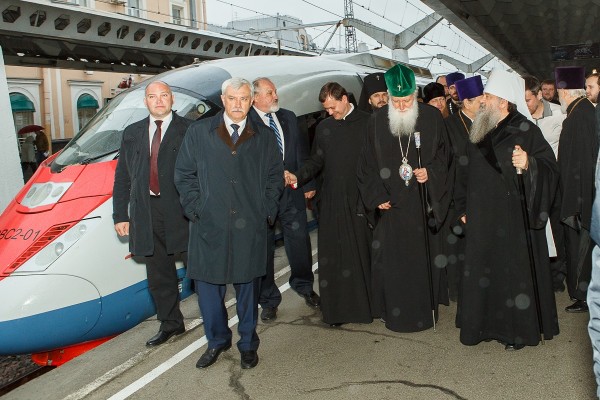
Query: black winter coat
132	187
230	193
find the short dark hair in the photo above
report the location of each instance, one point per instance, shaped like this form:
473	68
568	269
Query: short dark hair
594	75
548	82
333	90
532	84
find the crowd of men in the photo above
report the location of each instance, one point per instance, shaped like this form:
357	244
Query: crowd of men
479	195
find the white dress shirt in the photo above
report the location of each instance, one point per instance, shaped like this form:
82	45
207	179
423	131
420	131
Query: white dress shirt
229	121
263	116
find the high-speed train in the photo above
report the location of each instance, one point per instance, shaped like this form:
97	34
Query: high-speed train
66	278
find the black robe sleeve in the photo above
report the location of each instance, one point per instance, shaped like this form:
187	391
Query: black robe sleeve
372	189
457	127
438	177
540	179
577	154
313	165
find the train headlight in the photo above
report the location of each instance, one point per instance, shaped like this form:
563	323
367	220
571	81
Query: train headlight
55	249
59	248
43	194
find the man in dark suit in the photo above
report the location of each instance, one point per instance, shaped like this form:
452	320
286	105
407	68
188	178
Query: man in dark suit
293	148
230	177
155	223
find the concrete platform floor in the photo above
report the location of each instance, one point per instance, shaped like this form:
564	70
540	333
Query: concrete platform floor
302	358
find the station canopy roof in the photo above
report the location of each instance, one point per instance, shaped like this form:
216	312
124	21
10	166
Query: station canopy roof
531	36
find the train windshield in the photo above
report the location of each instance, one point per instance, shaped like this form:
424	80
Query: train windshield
100	139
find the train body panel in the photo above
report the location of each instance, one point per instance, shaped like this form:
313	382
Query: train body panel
75	323
77	311
65	276
89	289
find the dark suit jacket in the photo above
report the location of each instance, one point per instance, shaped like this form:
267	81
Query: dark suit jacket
296	149
132	188
229	192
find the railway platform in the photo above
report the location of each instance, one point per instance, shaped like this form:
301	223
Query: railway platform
303	358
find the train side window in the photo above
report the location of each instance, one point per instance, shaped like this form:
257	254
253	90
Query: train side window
100	139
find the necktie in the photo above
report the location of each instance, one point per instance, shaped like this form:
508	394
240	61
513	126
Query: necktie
154	186
235	135
273	126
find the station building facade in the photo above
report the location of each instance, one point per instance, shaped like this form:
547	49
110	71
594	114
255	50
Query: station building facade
64	100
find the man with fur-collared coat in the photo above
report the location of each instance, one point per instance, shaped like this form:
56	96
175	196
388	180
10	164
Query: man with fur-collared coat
229	174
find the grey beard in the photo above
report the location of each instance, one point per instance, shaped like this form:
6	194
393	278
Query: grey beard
403	123
563	105
483	123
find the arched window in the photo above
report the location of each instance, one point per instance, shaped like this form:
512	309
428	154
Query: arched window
87	106
22	109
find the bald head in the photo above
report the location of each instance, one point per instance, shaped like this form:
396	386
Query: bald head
159	99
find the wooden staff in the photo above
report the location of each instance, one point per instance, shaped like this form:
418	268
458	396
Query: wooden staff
422	194
525	212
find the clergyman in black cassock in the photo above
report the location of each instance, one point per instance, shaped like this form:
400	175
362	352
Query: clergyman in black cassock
577	154
374	94
401	293
469	92
496	299
344	236
452	102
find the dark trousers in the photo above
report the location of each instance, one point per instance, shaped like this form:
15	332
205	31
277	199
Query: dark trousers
297	247
578	246
39	157
558	265
211	300
163	283
26	165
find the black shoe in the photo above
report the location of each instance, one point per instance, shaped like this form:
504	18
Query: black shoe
578	306
249	359
513	347
163	336
268	314
312	299
210	356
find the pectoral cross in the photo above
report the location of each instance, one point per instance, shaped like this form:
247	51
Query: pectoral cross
399	87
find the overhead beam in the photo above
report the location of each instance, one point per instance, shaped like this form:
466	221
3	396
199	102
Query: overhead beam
286	28
454	13
402	40
54	33
413	33
464	67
